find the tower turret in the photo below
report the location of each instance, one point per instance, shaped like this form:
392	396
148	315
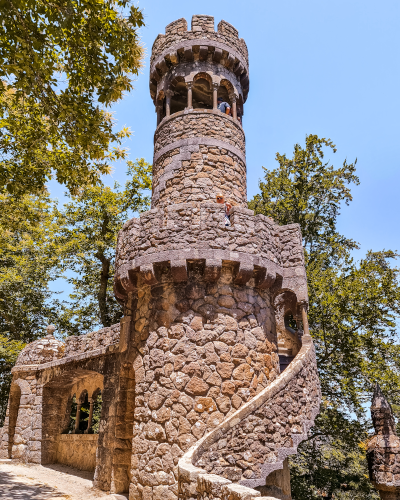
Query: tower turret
198	150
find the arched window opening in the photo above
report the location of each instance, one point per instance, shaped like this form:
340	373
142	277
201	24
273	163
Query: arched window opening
202	93
97	403
15	398
82	413
180	96
72	415
290	323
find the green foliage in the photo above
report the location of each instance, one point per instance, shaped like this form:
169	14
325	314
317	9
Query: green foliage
354	307
61	63
89	227
28	263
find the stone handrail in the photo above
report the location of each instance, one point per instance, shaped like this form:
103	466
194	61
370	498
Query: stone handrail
255	440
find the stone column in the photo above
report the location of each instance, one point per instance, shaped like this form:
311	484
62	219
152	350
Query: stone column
190	95
234	107
159	113
78	417
168	95
215	96
89	427
305	320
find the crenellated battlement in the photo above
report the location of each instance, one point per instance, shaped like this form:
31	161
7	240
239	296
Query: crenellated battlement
200	45
201	26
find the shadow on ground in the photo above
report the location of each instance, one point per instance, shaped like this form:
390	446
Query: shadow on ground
70	471
11	488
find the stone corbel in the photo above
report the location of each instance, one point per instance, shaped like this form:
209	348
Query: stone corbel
179	270
244	274
212	270
147	274
265	278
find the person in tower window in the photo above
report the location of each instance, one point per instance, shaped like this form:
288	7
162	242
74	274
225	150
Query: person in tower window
223	106
228	206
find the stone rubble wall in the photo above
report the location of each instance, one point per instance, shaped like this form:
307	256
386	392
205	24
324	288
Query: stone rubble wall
205	349
94	340
254	441
193	173
384	461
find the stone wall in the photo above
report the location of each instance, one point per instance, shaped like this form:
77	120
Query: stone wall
199	123
193	173
77	450
204	349
91	341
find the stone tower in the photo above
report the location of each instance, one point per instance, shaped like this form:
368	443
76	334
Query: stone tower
195	402
199	296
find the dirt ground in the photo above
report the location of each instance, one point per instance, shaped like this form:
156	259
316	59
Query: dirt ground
49	482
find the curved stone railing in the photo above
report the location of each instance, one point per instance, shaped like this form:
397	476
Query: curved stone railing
255	440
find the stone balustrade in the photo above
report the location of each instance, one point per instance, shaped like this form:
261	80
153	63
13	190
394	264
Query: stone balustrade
254	441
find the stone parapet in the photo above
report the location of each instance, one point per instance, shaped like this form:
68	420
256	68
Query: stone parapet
202	42
255	440
272	255
77	450
199	123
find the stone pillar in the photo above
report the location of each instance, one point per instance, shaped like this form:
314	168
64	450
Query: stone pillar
189	95
159	113
215	96
89	427
168	95
306	329
234	107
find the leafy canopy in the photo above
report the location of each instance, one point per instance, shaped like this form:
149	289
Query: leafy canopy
61	63
89	226
354	307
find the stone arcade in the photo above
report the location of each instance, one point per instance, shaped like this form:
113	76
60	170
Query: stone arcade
195	402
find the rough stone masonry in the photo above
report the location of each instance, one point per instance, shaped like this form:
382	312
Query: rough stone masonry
191	377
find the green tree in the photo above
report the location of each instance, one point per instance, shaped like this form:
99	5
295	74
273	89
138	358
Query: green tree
89	227
354	307
28	265
61	64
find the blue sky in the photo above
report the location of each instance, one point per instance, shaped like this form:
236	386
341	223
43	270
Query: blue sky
328	68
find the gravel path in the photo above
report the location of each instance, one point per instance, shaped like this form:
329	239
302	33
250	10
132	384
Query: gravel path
50	482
